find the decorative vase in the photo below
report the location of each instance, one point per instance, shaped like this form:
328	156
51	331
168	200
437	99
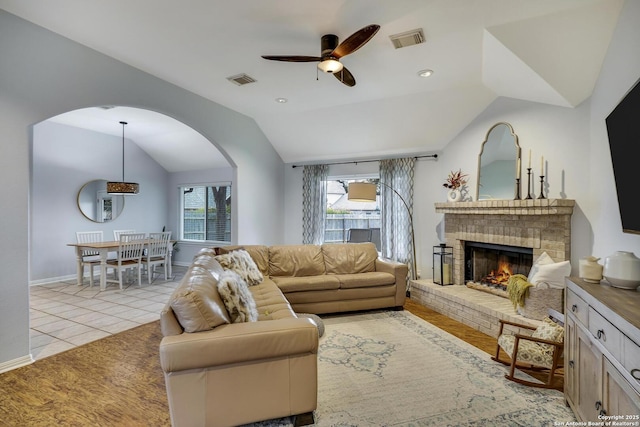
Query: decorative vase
590	270
622	270
454	195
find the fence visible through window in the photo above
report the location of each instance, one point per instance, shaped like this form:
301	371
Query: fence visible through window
337	226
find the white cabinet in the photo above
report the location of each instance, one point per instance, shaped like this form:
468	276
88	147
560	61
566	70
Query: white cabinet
602	357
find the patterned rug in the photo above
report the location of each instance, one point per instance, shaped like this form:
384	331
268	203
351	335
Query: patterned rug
394	369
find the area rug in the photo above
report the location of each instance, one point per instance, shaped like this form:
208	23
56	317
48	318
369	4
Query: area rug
395	369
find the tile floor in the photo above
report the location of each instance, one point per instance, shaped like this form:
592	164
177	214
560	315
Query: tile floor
64	315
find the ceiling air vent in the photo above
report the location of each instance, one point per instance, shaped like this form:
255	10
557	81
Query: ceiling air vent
408	38
241	79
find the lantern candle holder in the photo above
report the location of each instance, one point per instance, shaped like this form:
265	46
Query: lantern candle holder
443	265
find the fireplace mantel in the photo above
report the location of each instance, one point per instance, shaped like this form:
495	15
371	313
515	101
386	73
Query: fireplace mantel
509	207
541	224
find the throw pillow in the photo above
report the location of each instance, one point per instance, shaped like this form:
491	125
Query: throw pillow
543	259
549	330
241	262
552	275
237	298
197	304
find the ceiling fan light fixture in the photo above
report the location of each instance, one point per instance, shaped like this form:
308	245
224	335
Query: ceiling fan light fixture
425	73
330	65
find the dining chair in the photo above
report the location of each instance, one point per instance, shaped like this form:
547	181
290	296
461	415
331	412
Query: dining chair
90	258
117	233
129	256
157	253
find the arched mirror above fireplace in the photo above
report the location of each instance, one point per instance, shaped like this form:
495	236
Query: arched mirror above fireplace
498	164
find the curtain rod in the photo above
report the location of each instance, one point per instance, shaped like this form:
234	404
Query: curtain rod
355	162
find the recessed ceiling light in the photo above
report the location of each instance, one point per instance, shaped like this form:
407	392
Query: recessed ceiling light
281	100
425	73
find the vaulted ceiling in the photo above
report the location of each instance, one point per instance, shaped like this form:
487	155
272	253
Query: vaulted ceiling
547	51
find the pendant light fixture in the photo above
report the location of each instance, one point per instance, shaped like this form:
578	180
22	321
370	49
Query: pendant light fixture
121	187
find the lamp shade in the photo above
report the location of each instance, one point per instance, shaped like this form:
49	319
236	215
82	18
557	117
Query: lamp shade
122	188
362	192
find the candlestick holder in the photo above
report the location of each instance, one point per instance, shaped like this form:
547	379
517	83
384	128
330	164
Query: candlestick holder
529	196
541	196
517	189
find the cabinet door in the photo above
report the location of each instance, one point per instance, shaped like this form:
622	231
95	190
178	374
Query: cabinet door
570	361
619	398
588	377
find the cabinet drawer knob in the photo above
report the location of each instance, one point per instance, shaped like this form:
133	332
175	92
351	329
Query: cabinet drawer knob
574	308
635	373
571	364
603	412
598	405
600	334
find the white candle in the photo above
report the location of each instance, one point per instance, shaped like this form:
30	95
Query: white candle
529	158
542	165
518	169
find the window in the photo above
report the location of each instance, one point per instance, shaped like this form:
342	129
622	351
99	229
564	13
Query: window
344	215
206	213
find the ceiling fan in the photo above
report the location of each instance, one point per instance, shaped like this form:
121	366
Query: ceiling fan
331	52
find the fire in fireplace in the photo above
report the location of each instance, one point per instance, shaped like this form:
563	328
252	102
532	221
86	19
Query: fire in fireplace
492	265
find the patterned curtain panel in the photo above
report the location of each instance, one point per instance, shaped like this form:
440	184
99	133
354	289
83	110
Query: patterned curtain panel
395	230
314	203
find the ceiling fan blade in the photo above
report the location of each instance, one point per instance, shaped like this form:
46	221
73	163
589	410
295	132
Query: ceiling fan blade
292	58
355	41
345	77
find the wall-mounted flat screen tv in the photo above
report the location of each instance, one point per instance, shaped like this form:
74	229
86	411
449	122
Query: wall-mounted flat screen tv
623	127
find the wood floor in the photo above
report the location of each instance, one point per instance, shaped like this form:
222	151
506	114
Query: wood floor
117	381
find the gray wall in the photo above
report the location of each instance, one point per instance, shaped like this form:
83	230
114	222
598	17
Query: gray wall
64	159
573	142
45	75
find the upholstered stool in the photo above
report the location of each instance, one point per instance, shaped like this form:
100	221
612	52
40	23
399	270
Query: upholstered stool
315	319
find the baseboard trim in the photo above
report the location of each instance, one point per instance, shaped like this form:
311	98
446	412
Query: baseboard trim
69	278
16	363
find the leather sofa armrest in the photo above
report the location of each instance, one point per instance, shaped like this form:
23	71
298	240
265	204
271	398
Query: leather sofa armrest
400	272
237	343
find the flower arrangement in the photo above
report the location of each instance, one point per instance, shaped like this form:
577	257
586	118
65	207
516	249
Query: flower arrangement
455	180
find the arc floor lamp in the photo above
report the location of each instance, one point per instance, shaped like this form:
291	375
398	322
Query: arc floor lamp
366	192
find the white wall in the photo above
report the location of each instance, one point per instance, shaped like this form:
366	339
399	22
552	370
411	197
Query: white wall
64	159
45	75
621	69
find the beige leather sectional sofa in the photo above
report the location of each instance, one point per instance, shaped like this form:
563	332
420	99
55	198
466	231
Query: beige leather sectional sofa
219	373
331	278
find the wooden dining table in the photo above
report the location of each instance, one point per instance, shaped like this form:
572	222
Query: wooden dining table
103	249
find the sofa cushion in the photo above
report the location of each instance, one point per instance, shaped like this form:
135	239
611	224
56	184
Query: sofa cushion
196	302
241	262
259	254
342	258
309	283
237	298
365	280
206	258
296	260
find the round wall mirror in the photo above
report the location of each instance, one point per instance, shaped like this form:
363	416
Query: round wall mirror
96	205
498	163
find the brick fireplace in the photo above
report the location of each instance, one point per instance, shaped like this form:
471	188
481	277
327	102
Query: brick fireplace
541	225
